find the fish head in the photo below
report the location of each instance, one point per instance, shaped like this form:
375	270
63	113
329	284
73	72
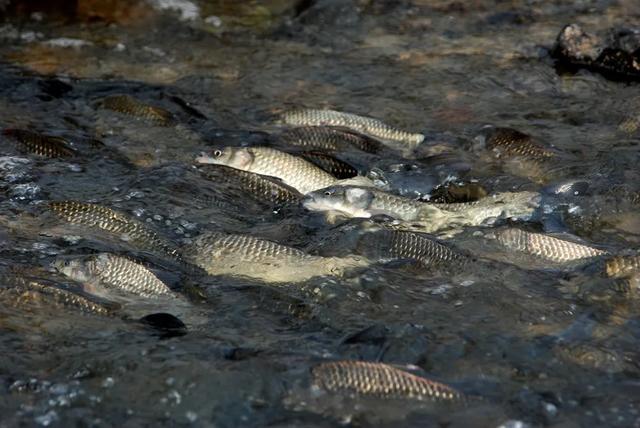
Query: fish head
358	197
76	269
479	142
349	200
235	157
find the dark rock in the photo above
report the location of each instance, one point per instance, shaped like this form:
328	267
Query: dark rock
165	325
615	59
575	45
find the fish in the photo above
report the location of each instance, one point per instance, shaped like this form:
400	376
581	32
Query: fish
546	247
110	272
121	225
519	154
621	266
25	291
361	124
509	142
398	244
40	144
260	187
380	380
627	284
130	106
245	255
294	171
329	139
363	202
334	166
629	124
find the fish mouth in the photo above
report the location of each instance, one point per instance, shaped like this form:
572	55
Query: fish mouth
204	158
313	203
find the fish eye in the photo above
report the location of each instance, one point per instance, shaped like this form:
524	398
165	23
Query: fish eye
328	192
217	153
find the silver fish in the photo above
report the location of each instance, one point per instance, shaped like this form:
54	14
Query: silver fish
244	255
24	291
334	166
130	106
110	272
362	124
398	244
546	247
621	266
117	223
380	380
519	154
42	145
330	139
263	188
292	170
354	201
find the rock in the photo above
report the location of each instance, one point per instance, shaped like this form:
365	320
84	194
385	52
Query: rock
616	59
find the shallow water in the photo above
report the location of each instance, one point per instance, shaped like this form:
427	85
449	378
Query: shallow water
529	341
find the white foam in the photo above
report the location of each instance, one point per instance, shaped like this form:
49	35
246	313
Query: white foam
188	10
67	42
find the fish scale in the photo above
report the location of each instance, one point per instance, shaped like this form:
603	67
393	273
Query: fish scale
106	219
362	124
380	380
248	248
128	105
408	245
546	247
42	145
127	275
324	138
294	171
455	206
117	273
623	265
261	187
406	208
27	290
510	142
334	166
248	256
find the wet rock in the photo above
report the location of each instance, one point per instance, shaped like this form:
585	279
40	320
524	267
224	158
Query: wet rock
576	45
617	59
118	11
